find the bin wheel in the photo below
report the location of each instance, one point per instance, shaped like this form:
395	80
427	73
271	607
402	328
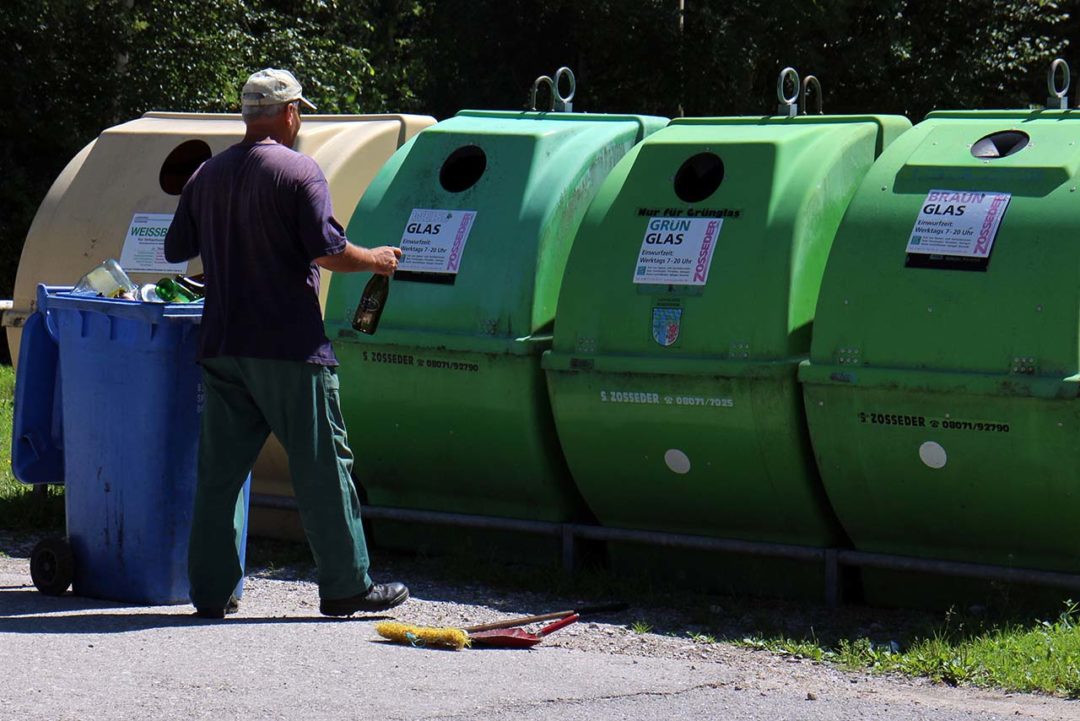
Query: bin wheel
52	566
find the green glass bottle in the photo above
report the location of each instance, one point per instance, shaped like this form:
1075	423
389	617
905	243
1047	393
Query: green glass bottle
172	292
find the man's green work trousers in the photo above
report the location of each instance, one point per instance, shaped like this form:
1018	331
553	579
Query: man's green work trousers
246	399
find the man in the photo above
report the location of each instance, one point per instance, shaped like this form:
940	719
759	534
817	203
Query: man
260	216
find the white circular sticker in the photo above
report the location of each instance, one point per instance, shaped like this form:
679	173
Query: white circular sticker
677	461
933	455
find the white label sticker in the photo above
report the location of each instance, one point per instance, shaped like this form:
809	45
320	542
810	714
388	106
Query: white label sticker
677	251
953	222
144	245
434	240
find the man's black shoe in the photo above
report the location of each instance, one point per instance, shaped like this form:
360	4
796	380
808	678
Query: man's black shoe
231	607
380	597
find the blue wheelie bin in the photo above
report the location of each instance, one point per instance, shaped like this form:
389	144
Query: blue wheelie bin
107	402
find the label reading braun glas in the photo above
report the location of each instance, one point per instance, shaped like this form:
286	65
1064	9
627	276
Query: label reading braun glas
677	251
144	245
958	223
434	240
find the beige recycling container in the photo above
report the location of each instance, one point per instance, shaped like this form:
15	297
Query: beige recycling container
116	197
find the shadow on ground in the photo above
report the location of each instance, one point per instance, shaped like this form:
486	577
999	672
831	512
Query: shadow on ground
25	610
519	590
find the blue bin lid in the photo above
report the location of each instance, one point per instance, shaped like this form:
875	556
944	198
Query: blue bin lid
52	298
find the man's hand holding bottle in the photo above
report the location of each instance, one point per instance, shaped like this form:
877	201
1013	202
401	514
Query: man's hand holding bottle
384	259
357	259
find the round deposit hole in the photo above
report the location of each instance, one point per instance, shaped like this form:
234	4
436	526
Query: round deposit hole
1000	145
182	162
699	177
463	168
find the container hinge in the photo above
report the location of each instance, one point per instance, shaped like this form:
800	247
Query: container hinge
1059	97
849	356
585	344
739	350
1024	365
559	103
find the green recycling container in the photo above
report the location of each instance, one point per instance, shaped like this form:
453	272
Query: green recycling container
941	389
686	308
446	402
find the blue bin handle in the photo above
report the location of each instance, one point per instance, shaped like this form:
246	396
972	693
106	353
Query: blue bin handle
43	293
37	455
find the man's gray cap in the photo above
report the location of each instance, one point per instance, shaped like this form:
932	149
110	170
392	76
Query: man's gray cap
273	87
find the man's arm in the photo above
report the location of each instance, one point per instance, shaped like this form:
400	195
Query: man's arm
320	232
355	259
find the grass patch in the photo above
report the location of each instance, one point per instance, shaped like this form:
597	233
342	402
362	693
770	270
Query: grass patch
1041	656
785	646
20	507
1038	655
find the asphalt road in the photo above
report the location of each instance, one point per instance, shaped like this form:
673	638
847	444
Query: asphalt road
75	658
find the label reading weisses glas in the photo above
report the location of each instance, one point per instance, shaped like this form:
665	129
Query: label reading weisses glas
958	223
434	240
144	245
677	251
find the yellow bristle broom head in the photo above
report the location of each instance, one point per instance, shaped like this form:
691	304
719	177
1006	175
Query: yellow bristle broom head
422	636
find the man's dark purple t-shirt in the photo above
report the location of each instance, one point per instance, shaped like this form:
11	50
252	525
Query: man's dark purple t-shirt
259	214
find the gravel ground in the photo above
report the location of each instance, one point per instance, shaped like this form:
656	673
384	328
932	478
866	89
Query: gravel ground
78	658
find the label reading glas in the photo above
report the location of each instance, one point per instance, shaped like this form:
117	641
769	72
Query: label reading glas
958	224
677	251
434	240
144	245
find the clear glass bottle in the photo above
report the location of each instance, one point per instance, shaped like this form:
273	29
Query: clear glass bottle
372	303
108	280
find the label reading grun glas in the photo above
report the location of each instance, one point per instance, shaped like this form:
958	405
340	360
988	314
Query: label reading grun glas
144	245
434	240
956	223
677	251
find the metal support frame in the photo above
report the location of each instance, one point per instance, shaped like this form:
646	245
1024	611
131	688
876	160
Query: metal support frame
833	559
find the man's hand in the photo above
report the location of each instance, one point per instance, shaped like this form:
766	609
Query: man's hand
354	259
384	259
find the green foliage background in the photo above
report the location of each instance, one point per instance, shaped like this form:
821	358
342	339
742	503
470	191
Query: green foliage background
71	68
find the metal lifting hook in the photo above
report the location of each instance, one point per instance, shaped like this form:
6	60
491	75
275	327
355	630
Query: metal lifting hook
1058	99
809	87
543	80
789	105
811	83
559	102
